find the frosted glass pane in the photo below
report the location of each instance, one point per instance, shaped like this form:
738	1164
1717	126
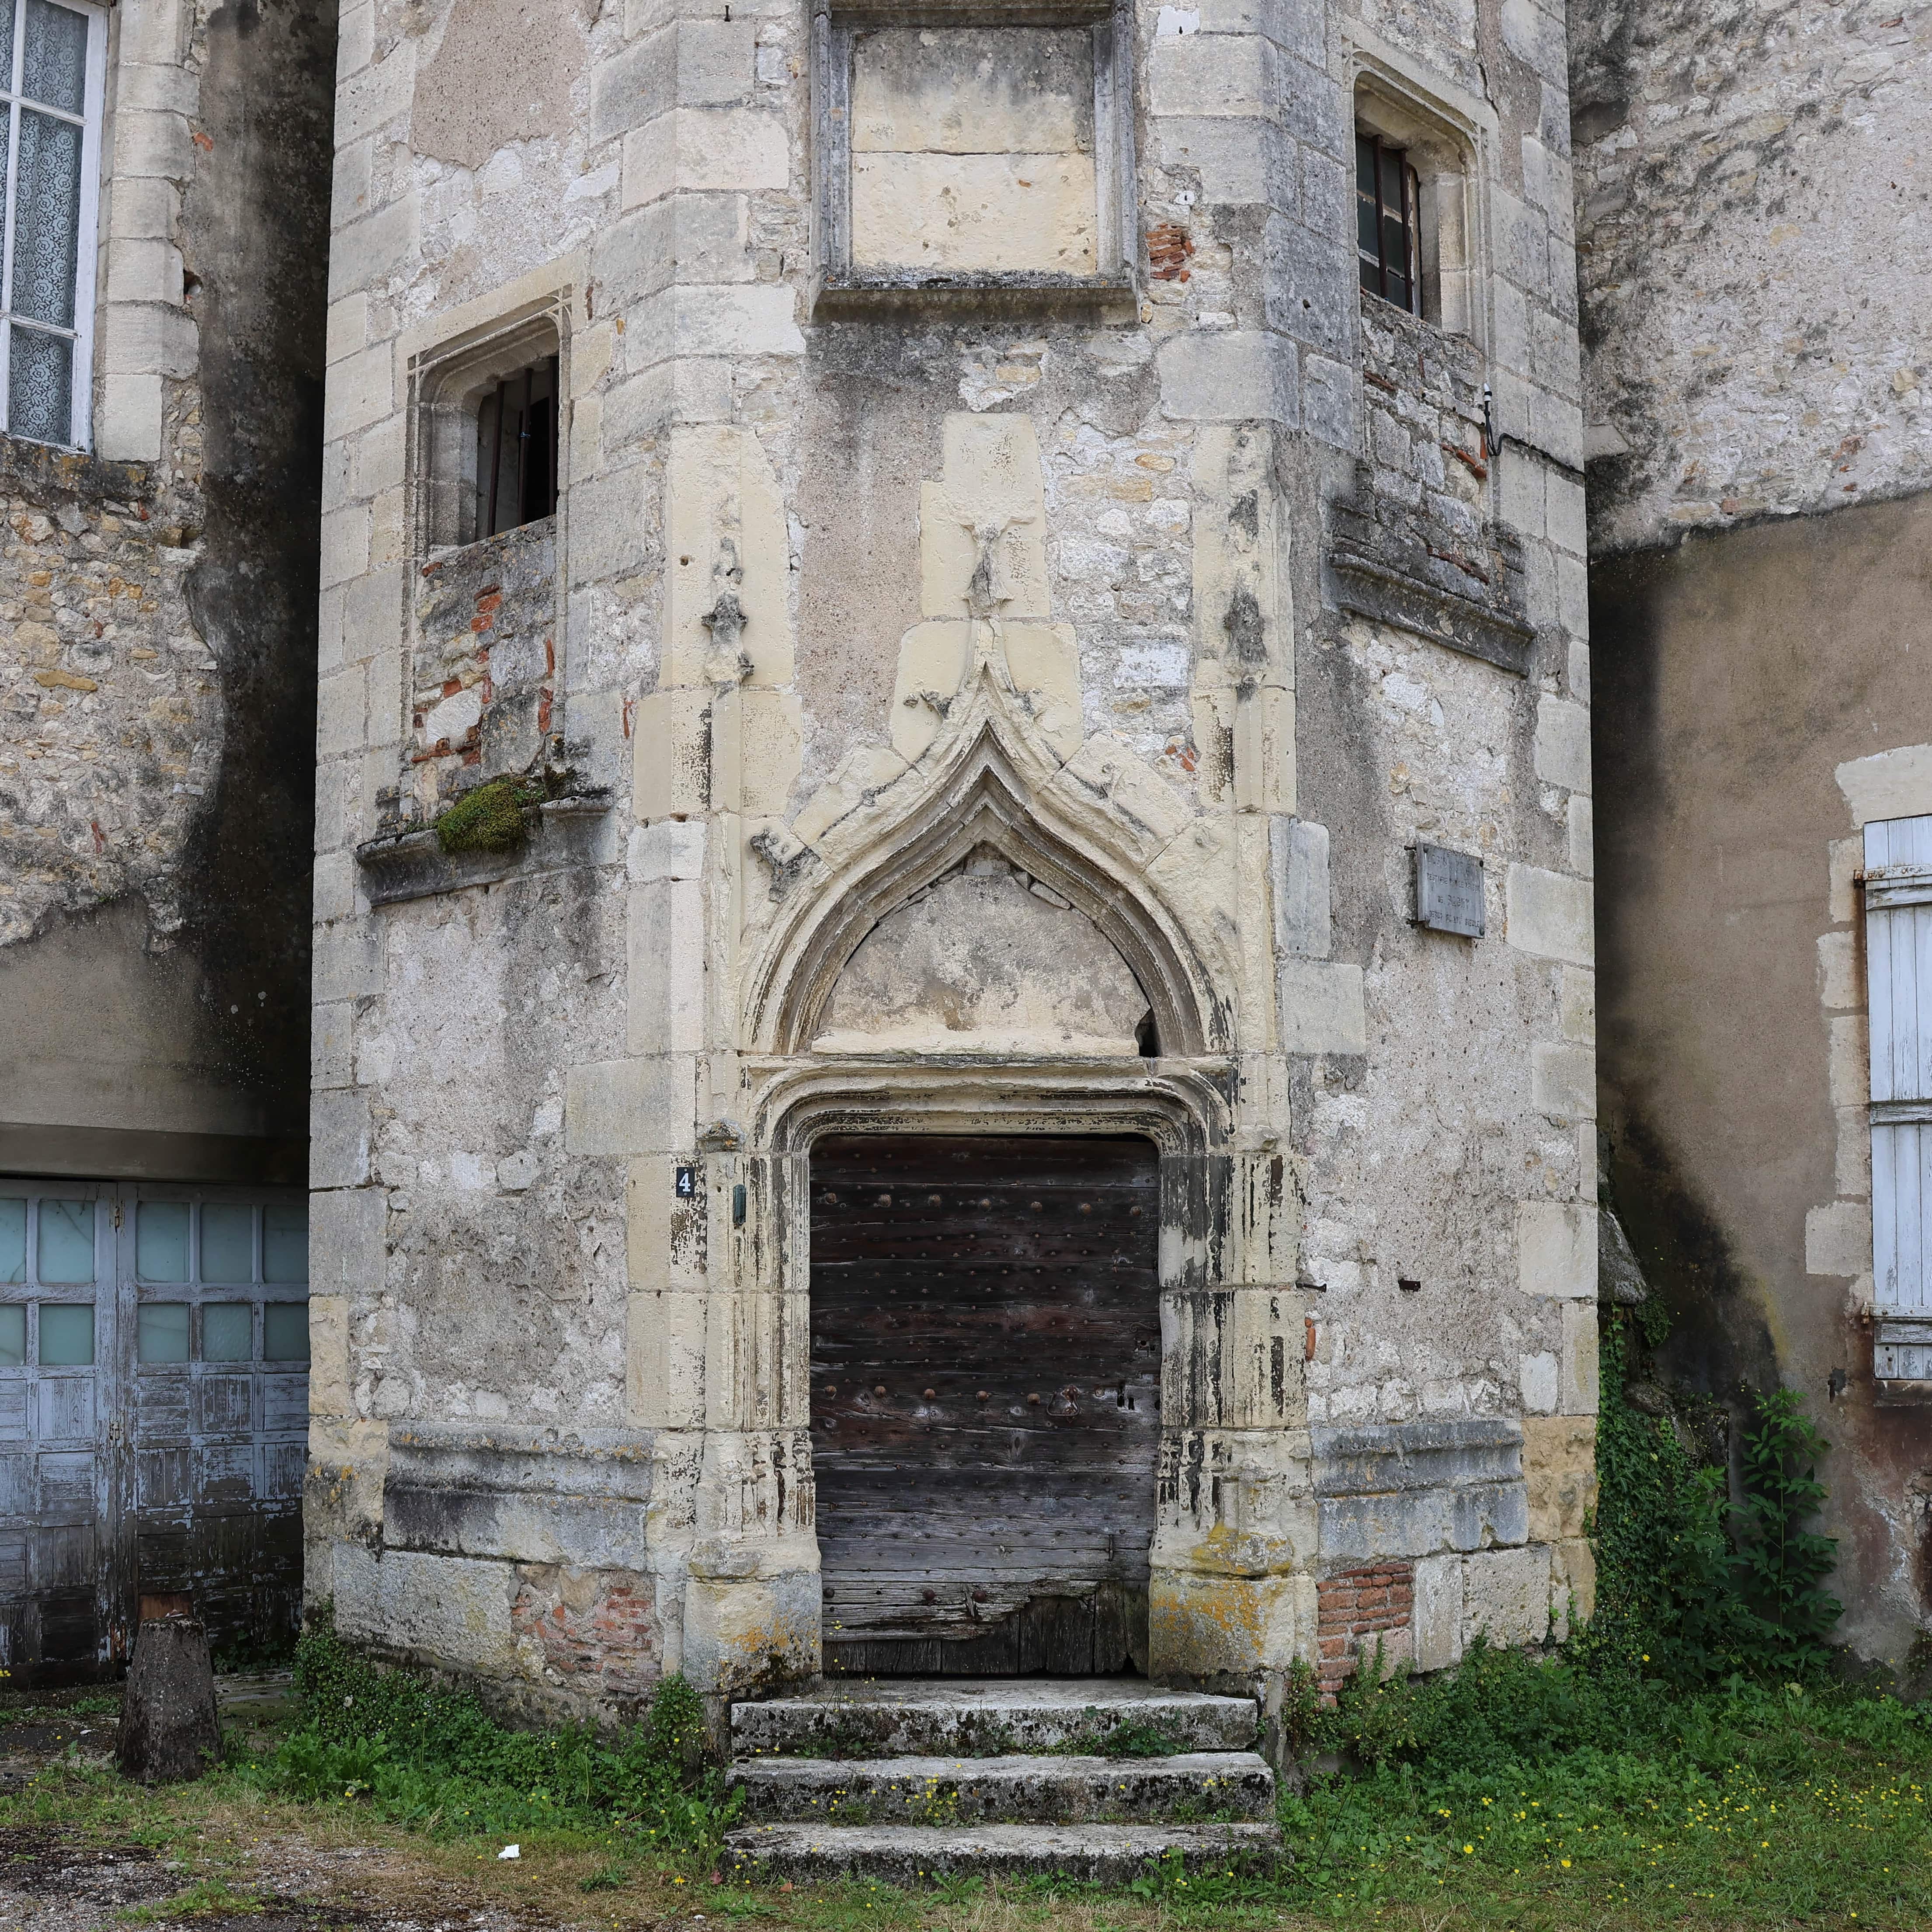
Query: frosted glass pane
40	386
46	219
228	1331
13	1242
164	1331
160	1241
13	1337
67	1241
285	1332
55	68
285	1244
6	46
227	1243
66	1335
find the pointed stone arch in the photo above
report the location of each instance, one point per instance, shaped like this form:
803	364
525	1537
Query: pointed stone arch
982	786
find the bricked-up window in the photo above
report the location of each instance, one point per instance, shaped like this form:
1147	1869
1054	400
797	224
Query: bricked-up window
51	71
516	450
1388	203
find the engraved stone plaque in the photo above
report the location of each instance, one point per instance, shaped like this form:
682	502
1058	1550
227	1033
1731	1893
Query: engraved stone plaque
1448	891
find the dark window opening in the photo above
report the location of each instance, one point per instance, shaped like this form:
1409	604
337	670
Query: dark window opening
516	450
1387	199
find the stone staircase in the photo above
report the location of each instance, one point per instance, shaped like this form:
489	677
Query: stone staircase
910	1781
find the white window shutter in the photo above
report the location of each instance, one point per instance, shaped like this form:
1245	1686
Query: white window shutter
1898	957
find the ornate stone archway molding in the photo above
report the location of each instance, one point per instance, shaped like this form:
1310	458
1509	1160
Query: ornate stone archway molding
988	756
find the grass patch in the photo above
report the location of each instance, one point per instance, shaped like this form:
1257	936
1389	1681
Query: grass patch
205	1896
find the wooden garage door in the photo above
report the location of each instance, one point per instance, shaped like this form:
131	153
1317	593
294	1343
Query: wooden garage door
985	1365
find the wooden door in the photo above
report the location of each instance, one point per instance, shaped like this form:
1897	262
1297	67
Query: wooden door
154	1413
985	1366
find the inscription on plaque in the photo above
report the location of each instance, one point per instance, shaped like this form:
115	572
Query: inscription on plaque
1449	891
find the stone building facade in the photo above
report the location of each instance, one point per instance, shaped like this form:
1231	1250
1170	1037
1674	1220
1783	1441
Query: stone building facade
163	345
1752	237
988	637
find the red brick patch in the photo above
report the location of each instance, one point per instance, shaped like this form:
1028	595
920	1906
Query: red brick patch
1354	1607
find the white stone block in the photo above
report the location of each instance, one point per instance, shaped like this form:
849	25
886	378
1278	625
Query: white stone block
665	1009
1850	1061
355	40
714	61
674	849
1321	1008
1838	1239
1506	1594
152	145
1840	982
1563	1080
1556	1250
1436	1613
1577	1384
1581	826
1231	376
1303	923
1551	915
1217	74
347	1250
1539	1377
631	1107
338	1144
370	101
1896	783
360	391
148	338
345	544
1563	743
366	253
128	412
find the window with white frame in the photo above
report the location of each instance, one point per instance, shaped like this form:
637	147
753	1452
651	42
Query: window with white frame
52	60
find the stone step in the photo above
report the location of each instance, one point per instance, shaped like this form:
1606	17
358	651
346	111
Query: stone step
986	1717
915	1855
987	1790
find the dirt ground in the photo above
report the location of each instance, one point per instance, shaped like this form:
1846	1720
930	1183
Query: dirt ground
52	1880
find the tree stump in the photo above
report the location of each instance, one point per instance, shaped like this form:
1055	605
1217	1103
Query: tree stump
168	1729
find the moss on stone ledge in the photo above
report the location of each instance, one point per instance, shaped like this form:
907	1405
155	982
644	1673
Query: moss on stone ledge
493	817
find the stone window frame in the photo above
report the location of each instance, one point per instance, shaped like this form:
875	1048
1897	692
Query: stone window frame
840	289
1448	149
447	382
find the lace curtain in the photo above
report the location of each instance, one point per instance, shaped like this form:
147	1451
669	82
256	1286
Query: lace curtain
45	217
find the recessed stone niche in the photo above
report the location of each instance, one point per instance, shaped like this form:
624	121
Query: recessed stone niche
962	152
973	149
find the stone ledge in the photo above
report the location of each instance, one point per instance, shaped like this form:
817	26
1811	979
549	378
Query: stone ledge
975	13
46	475
563	835
868	295
1368	588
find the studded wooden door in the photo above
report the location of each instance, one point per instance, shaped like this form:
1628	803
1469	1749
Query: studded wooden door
985	1369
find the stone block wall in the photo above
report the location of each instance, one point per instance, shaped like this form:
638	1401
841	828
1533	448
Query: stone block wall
840	582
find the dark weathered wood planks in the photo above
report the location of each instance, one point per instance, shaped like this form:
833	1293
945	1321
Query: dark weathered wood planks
985	1380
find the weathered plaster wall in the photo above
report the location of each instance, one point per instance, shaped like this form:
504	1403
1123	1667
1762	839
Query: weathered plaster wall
1752	226
840	596
1752	216
1734	1069
158	656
